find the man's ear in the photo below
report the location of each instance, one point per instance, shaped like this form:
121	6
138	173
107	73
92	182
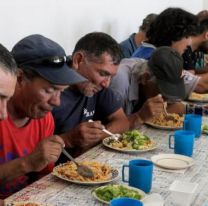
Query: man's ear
77	59
206	35
145	78
20	77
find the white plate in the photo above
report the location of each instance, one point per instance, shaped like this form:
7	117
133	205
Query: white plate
162	127
103	201
106	140
172	161
202	98
115	174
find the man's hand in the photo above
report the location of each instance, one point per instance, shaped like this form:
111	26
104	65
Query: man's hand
151	107
84	135
47	151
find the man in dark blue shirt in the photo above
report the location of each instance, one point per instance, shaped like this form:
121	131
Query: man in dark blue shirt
96	56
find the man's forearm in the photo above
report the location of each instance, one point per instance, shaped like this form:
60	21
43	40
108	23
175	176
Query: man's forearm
202	85
135	120
14	169
177	107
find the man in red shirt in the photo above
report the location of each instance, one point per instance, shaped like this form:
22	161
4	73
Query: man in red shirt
28	148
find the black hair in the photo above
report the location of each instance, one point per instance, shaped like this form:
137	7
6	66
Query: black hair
7	62
147	21
30	73
202	15
96	43
203	25
172	24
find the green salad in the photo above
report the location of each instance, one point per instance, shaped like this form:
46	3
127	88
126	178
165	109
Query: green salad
132	140
110	192
205	128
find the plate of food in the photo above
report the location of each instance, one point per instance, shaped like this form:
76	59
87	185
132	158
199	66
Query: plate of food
102	173
27	203
131	141
172	161
160	122
106	193
196	97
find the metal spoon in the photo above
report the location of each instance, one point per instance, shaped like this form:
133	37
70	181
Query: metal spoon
81	169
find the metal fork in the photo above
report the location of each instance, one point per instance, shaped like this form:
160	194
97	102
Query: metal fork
116	136
167	115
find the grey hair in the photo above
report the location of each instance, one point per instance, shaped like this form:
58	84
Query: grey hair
7	62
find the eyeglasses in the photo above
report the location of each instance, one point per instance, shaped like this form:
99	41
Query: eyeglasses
56	61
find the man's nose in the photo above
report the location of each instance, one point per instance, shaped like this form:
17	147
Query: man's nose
106	82
55	99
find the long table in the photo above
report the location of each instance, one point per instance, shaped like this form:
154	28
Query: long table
57	192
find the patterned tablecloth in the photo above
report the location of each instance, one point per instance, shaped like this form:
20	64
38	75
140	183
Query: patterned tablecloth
58	192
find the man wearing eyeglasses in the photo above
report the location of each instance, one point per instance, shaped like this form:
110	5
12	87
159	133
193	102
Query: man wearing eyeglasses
27	143
96	56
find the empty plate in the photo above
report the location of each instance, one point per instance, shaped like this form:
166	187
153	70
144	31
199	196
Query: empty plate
172	161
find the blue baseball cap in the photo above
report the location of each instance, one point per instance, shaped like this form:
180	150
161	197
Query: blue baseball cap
47	58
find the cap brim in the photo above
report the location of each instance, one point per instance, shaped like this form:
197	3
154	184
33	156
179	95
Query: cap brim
60	76
172	90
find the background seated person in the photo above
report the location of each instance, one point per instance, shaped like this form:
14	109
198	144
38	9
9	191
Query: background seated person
181	26
162	74
26	138
194	55
130	45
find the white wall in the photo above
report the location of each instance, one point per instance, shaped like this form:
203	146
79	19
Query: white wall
205	4
65	21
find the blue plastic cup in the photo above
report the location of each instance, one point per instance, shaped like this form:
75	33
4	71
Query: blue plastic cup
140	174
124	201
193	122
183	142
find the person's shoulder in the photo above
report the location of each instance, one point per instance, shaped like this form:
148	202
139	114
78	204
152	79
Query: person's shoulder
130	62
105	93
144	51
113	97
128	40
147	45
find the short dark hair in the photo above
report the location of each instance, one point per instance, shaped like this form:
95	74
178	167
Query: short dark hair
7	62
172	24
202	15
147	21
97	43
30	74
203	25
